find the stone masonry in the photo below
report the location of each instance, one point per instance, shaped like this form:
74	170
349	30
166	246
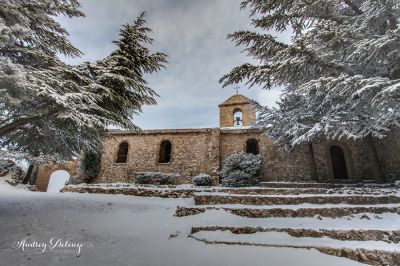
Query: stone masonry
196	151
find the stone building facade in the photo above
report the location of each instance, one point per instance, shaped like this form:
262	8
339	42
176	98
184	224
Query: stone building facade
189	152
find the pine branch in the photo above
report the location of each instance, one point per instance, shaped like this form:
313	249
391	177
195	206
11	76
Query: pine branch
4	130
353	7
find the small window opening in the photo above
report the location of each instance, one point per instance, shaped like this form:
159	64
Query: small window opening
122	154
165	152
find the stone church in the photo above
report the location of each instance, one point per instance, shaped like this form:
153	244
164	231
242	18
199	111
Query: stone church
189	152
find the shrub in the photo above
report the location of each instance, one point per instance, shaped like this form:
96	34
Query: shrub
16	172
202	180
90	165
156	178
6	166
241	170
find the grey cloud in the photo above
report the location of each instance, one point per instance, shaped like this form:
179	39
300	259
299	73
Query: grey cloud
193	34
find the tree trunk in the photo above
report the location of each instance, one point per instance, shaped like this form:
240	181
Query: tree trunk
32	179
28	174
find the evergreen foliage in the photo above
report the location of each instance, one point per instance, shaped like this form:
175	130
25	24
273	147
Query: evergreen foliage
202	180
90	165
49	108
241	170
341	72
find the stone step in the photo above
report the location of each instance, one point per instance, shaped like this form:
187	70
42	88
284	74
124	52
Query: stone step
352	244
300	185
213	199
330	212
301	191
336	184
388	236
188	192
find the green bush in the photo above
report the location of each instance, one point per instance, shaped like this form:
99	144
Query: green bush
202	180
90	165
241	170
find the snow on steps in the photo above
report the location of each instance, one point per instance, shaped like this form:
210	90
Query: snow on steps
292	211
184	191
336	184
206	198
388	236
370	247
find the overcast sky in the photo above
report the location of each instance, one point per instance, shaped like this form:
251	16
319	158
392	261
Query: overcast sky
193	34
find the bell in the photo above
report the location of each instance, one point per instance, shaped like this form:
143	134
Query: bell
238	120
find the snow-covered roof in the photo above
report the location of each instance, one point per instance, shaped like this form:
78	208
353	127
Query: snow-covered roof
162	131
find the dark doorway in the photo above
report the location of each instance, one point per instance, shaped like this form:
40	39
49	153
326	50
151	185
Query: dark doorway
165	152
338	163
252	146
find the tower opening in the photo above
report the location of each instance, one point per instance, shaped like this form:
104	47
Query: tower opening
237	118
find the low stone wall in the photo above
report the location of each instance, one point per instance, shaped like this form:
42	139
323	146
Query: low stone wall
154	191
370	257
142	192
279	212
324	185
187	192
212	199
354	235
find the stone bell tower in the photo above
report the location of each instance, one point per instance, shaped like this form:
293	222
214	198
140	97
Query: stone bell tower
236	111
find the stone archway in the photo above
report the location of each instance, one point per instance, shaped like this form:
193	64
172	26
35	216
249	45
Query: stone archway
57	180
339	165
45	172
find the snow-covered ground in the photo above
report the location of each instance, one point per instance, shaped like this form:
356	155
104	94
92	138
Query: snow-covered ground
128	230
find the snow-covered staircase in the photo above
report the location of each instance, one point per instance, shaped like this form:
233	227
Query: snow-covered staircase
210	198
358	223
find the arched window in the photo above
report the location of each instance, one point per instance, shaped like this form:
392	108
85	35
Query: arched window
237	118
122	154
165	152
252	146
338	163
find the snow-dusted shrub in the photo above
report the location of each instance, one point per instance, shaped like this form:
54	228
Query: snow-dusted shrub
202	180
156	178
6	166
18	174
397	184
90	165
241	170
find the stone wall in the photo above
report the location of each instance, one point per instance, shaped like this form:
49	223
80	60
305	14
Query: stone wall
361	160
194	151
197	151
277	165
388	150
